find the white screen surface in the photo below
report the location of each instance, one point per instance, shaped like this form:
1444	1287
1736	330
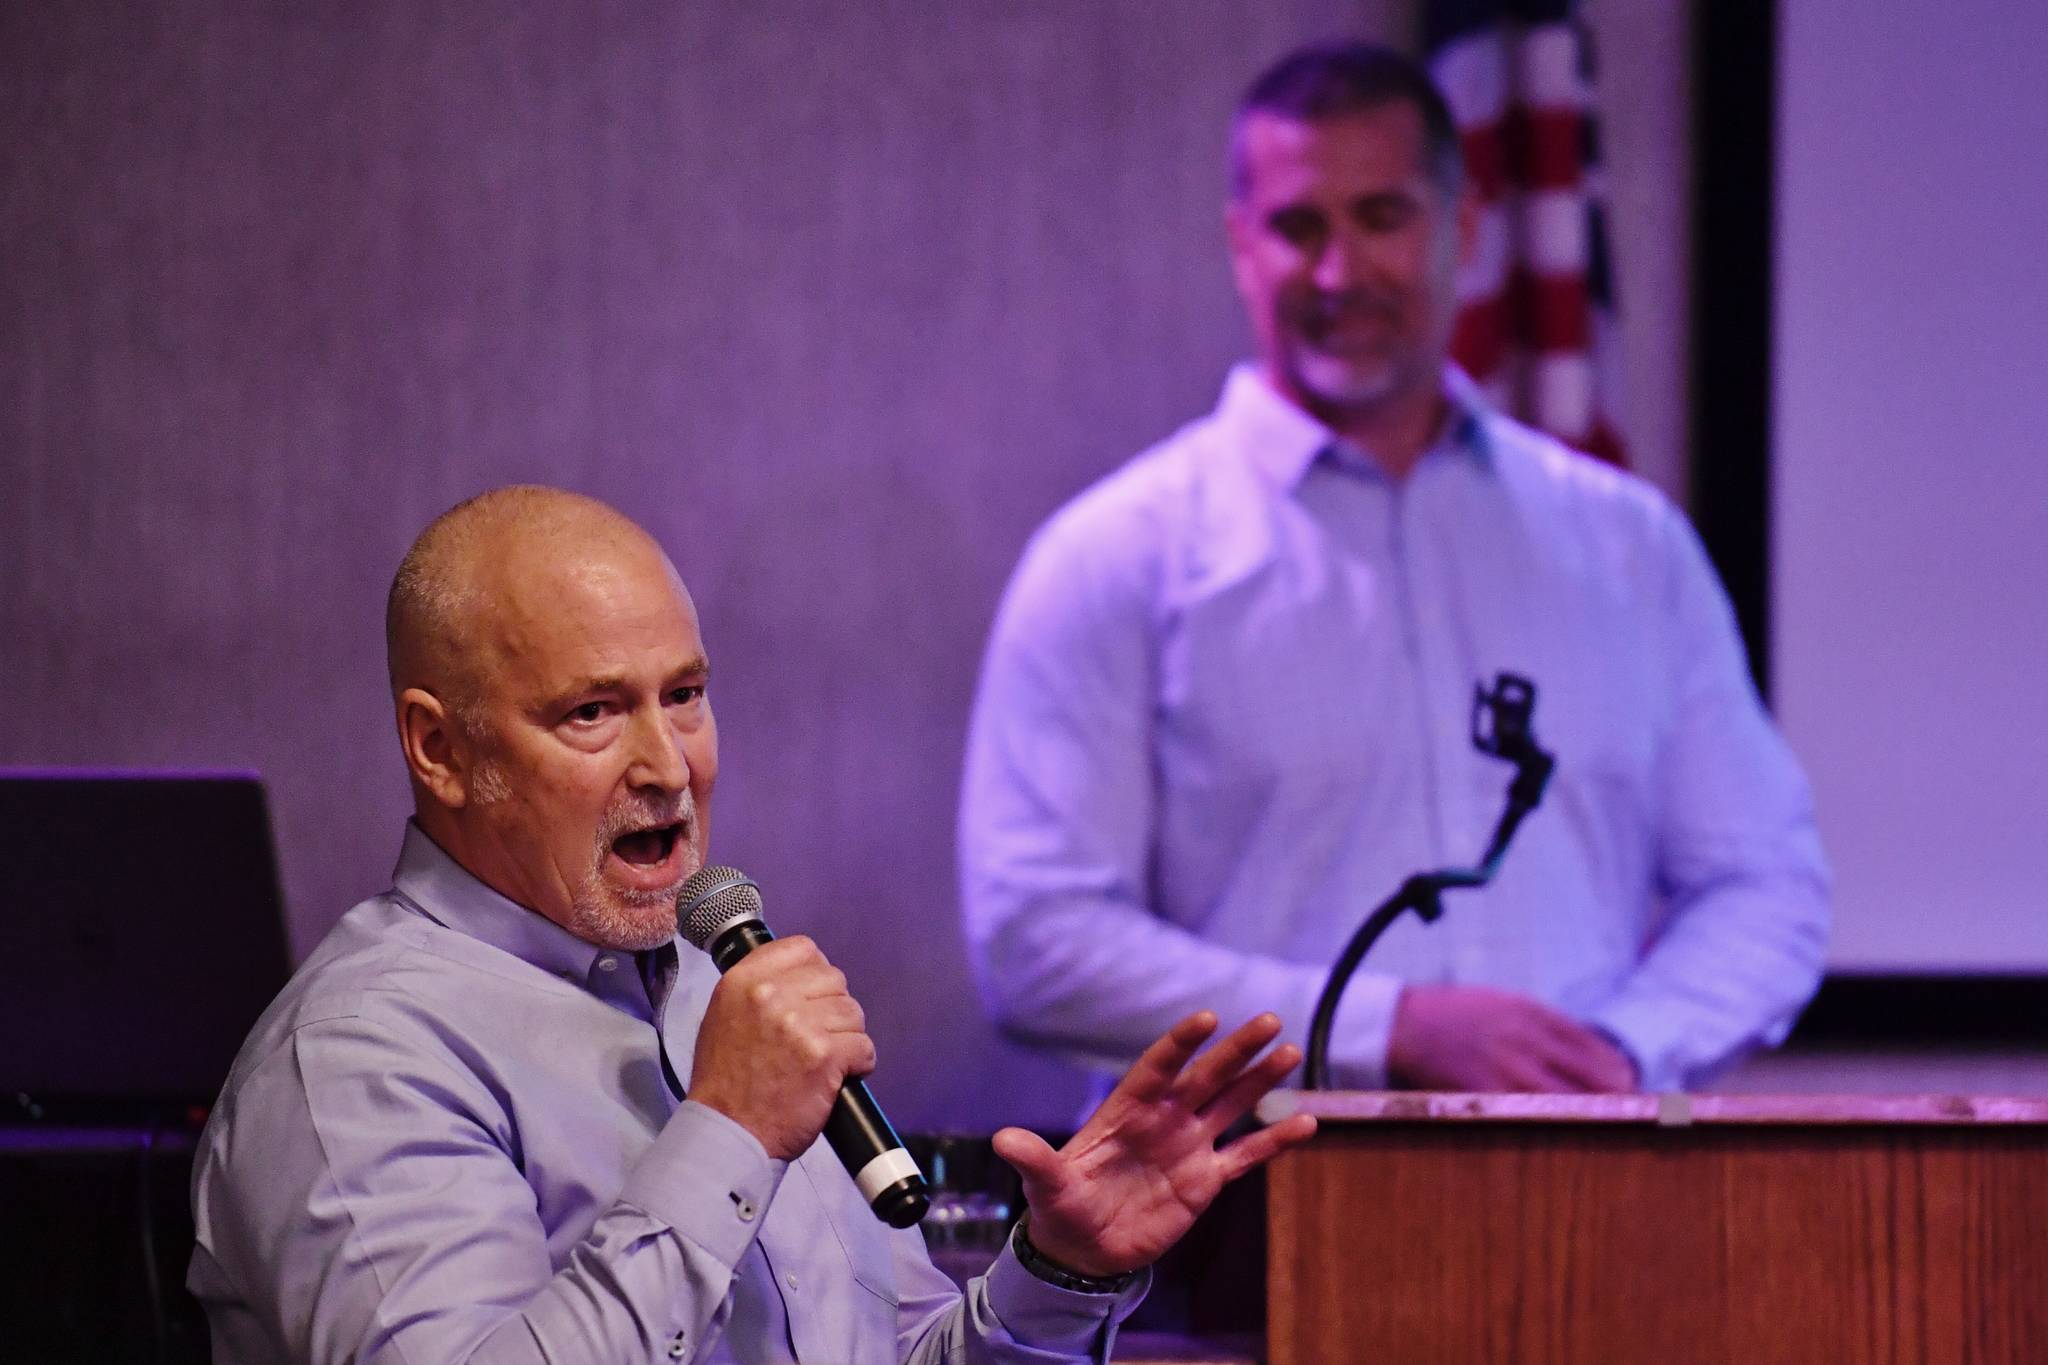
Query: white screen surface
1910	470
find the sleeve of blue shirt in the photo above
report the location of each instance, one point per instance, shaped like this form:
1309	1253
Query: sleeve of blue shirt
362	1201
1738	854
1007	1315
1056	825
362	1204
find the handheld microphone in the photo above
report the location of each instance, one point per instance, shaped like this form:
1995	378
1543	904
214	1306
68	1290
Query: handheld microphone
719	910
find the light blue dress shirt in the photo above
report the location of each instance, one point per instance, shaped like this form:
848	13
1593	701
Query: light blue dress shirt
450	1139
1226	709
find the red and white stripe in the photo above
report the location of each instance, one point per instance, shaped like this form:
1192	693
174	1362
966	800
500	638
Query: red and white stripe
1530	329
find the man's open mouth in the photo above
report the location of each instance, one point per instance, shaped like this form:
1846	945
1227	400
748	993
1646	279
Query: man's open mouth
648	847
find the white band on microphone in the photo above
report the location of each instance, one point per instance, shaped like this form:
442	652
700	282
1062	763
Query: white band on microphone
884	1171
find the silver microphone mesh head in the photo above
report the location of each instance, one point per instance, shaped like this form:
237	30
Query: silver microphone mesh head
712	899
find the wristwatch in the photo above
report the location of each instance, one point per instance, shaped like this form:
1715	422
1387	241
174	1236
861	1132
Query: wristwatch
1053	1273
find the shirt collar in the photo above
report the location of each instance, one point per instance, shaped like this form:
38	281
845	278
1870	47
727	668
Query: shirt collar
1282	441
447	893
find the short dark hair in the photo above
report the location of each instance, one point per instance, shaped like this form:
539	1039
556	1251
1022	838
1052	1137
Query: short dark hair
1333	79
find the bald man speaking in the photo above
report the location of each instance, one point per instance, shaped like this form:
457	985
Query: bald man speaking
503	1114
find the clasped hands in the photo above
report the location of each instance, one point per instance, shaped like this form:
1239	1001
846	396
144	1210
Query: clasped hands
781	1033
1476	1038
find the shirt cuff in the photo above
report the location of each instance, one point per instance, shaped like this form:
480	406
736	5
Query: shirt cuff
708	1178
1360	1032
1049	1318
1639	1029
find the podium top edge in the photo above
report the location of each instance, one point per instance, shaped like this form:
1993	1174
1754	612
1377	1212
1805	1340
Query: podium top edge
1668	1110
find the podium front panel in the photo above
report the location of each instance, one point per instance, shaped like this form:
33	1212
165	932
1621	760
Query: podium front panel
1794	1232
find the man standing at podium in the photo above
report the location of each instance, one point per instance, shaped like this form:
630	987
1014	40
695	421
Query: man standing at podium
1225	708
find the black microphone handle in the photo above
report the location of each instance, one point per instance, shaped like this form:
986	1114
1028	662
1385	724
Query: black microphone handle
886	1174
868	1147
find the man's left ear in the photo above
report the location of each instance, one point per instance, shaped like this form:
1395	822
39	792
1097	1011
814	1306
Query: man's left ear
434	753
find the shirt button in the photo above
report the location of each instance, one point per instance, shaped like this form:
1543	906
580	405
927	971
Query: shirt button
607	964
676	1349
743	1206
790	1280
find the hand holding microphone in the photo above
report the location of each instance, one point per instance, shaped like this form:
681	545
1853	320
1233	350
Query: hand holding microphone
779	1036
783	1046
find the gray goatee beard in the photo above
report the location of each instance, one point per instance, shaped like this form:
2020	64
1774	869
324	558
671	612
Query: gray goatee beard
630	919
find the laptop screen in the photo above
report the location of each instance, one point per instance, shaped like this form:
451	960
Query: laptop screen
141	933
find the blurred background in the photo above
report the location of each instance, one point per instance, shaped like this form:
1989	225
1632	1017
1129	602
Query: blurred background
838	301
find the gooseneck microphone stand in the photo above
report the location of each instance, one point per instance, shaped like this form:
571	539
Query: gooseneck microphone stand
1500	726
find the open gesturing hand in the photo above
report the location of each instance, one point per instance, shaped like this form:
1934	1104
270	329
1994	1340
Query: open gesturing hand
1145	1164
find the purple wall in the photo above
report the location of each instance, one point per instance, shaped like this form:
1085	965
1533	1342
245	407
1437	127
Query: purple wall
837	300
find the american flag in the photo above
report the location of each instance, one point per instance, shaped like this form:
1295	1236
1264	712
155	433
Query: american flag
1536	320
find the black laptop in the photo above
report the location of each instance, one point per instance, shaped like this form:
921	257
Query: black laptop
141	933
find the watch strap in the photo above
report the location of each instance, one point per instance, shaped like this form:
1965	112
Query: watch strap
1053	1273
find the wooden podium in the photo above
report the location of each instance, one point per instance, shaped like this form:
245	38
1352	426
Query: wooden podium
1420	1229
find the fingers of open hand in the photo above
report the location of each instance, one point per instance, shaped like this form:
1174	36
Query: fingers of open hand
1256	1149
1146	1163
1160	1066
1220	1084
1216	1069
1029	1154
1251	1085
